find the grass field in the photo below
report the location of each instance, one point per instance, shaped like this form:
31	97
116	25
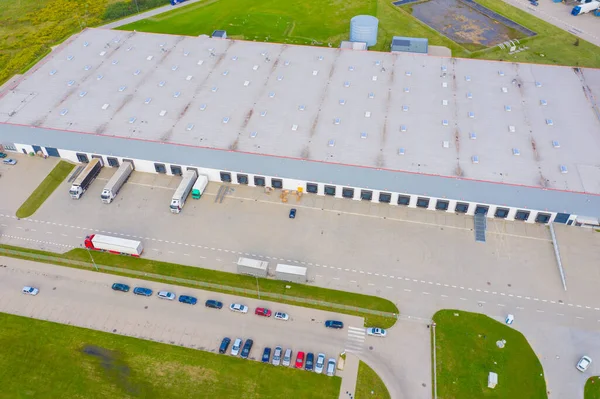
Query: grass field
41	359
467	352
592	388
46	187
369	385
328	22
236	280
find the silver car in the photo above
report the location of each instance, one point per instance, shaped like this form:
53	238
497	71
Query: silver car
235	349
277	356
320	363
166	295
287	358
331	367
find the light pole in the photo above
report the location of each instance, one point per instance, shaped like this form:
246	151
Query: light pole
92	258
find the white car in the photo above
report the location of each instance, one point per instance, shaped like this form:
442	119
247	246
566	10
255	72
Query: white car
376	332
287	358
277	356
331	367
281	316
9	161
30	290
320	363
237	307
166	295
584	363
235	349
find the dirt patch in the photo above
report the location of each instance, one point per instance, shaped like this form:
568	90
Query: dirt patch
114	367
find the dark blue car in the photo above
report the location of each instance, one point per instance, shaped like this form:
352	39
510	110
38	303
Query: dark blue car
310	358
142	291
293	213
188	299
224	345
246	349
266	355
211	303
334	324
120	287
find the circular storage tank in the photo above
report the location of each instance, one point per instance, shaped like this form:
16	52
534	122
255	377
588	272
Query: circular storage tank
363	28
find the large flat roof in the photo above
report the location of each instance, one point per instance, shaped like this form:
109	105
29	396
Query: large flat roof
338	106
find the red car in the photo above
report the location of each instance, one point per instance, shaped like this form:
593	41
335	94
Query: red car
299	360
263	312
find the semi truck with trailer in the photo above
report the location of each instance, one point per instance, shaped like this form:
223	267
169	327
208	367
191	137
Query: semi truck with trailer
252	267
182	192
295	274
585	8
116	182
85	178
114	245
199	186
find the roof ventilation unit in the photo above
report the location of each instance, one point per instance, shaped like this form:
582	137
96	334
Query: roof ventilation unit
555	144
516	151
563	169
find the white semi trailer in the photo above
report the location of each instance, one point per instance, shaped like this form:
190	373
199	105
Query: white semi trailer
116	182
585	8
182	192
114	245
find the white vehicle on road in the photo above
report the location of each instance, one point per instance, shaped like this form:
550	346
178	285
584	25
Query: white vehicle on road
320	363
235	349
237	307
166	295
281	316
376	332
30	290
584	363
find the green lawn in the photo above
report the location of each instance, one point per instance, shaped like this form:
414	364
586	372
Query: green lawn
466	352
592	388
46	187
41	359
369	385
239	281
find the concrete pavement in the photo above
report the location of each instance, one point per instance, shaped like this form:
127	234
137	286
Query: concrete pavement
147	14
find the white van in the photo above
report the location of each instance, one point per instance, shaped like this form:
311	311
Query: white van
287	358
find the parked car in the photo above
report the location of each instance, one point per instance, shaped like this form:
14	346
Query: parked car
2	155
299	360
266	357
224	345
166	295
331	367
320	363
334	324
142	291
376	332
277	356
120	287
235	349
30	290
10	161
211	303
310	358
247	348
292	213
509	319
584	363
262	312
188	299
287	358
237	307
281	316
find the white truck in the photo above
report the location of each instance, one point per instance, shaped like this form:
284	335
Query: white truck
116	182
252	267
114	245
199	186
295	274
85	178
585	8
182	192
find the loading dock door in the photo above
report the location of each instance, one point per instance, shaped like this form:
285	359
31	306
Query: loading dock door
561	218
52	152
36	149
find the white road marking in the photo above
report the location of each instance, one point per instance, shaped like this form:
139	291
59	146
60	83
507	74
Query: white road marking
387	286
425	293
520	308
579	317
500	304
444	296
463	299
539	311
335	278
407	290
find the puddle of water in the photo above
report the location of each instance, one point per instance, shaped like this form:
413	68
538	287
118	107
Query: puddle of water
115	368
463	24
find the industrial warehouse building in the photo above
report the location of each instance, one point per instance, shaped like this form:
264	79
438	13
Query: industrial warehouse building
513	141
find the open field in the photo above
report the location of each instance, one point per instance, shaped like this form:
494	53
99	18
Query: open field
44	359
467	352
328	22
46	187
231	280
369	385
592	388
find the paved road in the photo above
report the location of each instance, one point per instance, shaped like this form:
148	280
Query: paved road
147	14
423	262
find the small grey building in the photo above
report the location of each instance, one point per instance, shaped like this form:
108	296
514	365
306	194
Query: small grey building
219	34
409	44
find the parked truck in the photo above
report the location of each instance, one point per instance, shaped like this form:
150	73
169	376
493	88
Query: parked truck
252	267
85	178
295	274
199	186
114	245
116	182
182	192
585	8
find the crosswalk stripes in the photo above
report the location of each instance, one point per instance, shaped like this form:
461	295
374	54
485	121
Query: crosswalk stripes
356	338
